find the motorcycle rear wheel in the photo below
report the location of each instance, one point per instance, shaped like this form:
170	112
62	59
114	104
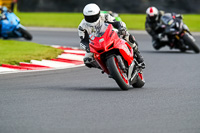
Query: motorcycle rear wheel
117	73
25	34
188	41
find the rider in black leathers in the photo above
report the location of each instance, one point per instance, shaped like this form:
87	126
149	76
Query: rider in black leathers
152	26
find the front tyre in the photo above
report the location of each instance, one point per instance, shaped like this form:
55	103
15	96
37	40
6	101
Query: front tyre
140	81
188	41
25	34
118	75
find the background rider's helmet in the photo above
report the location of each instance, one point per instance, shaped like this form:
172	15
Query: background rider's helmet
152	13
91	13
4	9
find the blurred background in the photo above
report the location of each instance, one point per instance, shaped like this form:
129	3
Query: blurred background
120	6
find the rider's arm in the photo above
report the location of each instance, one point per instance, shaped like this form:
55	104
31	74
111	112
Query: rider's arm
84	43
180	16
175	15
118	25
115	24
3	16
121	26
149	29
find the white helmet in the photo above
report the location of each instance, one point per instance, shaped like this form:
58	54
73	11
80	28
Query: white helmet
91	13
152	13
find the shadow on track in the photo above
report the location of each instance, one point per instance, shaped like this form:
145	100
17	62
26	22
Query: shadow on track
168	52
105	89
98	89
101	89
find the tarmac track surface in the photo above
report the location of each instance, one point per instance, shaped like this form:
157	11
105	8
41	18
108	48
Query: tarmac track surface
82	100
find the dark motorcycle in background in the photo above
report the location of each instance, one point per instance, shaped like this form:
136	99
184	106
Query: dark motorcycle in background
177	33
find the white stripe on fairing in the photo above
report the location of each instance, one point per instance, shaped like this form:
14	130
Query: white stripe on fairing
75	51
71	56
50	63
4	69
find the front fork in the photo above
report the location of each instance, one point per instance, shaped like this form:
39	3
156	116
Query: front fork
135	72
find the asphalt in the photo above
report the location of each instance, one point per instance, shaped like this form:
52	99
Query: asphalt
82	100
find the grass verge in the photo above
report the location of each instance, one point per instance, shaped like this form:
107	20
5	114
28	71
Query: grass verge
72	20
13	52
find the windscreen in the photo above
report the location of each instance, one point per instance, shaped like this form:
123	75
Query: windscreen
167	19
99	31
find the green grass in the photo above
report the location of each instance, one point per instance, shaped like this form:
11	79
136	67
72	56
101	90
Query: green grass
13	52
72	20
192	21
134	21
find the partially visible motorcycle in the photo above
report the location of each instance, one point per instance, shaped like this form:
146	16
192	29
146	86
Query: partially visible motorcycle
11	27
114	56
177	33
114	14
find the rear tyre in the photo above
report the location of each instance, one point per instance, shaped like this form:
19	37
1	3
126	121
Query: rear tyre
25	34
118	75
188	41
140	81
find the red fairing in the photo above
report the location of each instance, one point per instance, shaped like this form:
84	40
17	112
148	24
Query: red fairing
100	62
108	41
126	51
140	75
104	42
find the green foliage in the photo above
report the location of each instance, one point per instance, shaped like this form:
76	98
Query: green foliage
13	52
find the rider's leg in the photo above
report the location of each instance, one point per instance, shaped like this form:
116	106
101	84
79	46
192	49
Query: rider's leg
157	44
134	45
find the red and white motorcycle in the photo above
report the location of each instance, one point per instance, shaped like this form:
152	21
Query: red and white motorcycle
115	57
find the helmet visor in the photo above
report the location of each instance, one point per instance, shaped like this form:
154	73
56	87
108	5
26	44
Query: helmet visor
92	18
153	18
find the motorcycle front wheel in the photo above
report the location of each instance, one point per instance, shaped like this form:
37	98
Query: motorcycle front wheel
25	34
140	81
188	41
117	74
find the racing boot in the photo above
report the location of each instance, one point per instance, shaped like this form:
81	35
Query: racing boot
138	57
89	61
